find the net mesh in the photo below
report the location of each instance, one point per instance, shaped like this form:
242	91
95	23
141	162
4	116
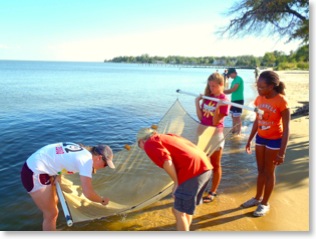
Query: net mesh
136	182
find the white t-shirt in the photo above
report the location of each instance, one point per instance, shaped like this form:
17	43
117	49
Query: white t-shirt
61	158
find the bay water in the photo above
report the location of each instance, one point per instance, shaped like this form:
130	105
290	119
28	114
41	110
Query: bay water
91	103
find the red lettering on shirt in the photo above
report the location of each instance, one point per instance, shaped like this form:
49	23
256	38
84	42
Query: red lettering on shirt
59	150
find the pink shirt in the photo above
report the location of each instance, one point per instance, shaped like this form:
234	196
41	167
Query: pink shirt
208	109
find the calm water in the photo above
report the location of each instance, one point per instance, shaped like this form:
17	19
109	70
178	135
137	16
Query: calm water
48	102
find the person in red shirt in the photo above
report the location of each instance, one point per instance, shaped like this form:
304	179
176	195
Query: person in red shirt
272	134
187	165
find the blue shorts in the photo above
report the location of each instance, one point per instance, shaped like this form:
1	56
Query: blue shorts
274	144
236	111
190	193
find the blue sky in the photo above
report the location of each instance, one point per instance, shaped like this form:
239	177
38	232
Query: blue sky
94	30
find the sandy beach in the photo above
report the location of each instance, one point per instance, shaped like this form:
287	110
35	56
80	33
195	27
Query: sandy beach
290	208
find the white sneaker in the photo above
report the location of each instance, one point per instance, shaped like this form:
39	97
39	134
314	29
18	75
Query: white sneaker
251	202
261	210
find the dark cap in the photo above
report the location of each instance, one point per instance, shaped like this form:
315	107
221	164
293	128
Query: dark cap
231	70
107	153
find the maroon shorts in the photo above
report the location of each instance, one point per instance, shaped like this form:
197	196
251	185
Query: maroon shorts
33	182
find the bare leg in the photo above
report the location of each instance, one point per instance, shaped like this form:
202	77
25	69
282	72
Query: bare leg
236	125
269	174
217	169
238	122
189	218
260	156
234	130
46	200
183	220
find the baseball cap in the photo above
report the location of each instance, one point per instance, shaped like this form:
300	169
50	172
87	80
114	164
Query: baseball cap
231	70
107	153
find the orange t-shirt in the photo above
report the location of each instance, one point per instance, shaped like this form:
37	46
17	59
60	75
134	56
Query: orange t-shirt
270	123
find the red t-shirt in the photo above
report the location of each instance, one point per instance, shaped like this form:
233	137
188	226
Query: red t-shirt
270	123
188	159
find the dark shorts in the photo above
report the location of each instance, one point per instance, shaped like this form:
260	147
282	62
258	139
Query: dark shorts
274	144
190	193
33	182
236	111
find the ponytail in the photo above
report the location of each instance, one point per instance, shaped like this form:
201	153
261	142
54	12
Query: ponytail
280	88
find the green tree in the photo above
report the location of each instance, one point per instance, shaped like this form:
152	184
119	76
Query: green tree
279	17
246	61
302	54
268	59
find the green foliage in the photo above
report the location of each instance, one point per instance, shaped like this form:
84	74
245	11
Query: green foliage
268	59
277	59
302	54
285	66
289	18
303	65
292	66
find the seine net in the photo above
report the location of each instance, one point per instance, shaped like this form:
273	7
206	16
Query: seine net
136	181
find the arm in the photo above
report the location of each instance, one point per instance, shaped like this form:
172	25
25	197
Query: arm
217	115
89	192
252	134
233	89
198	107
171	171
286	117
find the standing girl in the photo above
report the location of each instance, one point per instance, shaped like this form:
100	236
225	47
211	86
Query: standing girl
212	113
272	135
237	91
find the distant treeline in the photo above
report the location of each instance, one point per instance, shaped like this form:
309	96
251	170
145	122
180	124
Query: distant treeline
277	60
